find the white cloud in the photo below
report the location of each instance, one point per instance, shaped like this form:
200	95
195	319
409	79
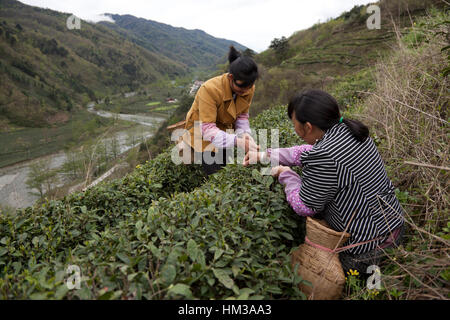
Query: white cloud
253	23
99	17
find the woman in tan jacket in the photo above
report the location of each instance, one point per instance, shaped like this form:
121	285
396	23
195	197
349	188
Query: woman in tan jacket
218	118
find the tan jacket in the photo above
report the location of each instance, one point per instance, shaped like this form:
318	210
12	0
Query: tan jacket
214	103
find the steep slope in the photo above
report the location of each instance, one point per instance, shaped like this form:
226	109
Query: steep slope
195	48
162	232
47	69
318	56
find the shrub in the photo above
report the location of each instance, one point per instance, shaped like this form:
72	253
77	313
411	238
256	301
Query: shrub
50	46
149	236
407	112
350	89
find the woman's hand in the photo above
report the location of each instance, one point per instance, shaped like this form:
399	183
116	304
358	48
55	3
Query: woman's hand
252	157
247	143
276	171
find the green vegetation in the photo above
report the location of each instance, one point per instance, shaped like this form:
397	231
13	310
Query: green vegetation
47	70
166	108
168	232
407	112
193	48
161	139
132	105
319	56
138	102
154	103
164	236
45	76
349	90
29	143
42	177
281	48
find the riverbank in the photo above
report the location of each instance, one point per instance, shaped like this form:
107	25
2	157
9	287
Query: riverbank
30	143
14	191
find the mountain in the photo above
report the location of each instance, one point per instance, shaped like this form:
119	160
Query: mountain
48	70
194	48
176	235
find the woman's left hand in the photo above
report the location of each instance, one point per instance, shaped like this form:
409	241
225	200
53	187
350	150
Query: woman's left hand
276	171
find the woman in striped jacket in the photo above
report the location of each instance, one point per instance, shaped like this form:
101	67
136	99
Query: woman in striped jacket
344	180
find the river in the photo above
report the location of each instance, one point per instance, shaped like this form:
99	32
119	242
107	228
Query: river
14	191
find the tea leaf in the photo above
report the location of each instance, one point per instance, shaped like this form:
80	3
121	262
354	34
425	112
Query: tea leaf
192	249
223	278
181	289
168	273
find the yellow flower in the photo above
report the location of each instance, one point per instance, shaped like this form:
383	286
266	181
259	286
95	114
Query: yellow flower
353	272
373	292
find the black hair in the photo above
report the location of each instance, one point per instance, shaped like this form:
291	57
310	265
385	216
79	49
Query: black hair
242	67
322	110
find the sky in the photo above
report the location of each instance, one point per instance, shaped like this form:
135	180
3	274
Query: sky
252	23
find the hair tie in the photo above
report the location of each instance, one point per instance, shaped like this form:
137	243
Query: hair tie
340	120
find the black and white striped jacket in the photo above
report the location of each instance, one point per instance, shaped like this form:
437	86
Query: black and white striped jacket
342	177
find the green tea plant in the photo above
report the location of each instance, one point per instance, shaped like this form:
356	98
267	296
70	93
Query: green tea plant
161	232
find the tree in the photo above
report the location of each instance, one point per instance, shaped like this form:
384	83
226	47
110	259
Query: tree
249	53
42	177
73	165
13	40
115	147
281	47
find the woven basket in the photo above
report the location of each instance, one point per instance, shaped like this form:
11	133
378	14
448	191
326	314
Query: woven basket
321	268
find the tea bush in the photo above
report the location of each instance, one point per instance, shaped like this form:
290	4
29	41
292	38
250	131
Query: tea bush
159	233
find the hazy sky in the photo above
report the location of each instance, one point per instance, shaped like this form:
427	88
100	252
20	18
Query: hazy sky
253	23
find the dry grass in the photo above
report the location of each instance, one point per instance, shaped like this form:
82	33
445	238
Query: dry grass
408	115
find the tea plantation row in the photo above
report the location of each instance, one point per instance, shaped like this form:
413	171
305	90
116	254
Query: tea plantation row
162	232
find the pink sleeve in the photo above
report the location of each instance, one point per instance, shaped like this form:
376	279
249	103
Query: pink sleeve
293	183
288	156
242	124
217	137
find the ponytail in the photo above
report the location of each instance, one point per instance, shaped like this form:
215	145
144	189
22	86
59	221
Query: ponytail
233	54
358	129
322	110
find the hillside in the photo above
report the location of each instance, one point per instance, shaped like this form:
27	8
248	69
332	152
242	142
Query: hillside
48	71
165	231
318	56
194	48
327	55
